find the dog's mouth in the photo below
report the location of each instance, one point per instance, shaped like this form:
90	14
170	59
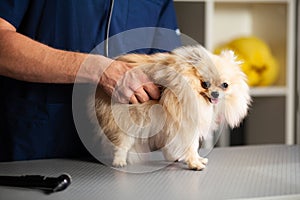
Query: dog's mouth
213	100
210	99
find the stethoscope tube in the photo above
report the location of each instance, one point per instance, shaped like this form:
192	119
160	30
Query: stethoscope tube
108	28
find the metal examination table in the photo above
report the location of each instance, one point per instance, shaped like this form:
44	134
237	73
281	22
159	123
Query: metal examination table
249	172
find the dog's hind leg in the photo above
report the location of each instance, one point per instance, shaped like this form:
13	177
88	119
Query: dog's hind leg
121	151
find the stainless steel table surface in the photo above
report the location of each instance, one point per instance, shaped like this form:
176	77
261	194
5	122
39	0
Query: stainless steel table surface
249	172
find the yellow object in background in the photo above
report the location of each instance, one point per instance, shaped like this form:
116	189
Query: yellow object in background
258	62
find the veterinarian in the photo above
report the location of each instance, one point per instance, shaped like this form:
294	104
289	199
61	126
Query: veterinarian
42	46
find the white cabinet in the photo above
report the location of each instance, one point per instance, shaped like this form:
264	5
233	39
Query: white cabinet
213	22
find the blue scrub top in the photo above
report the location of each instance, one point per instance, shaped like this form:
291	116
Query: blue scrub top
36	119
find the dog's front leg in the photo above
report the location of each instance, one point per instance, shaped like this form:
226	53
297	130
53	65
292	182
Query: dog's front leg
193	159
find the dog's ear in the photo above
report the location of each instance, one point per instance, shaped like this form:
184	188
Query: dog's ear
194	55
237	100
231	56
236	108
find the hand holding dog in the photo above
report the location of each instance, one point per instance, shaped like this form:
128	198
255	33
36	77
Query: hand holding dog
126	84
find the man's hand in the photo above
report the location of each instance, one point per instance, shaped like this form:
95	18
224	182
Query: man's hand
126	84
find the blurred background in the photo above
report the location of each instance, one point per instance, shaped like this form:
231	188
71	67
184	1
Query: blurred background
264	35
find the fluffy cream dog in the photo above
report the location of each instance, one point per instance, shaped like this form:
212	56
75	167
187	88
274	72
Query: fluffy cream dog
199	91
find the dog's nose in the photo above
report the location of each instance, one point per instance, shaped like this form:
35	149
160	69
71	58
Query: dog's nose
215	94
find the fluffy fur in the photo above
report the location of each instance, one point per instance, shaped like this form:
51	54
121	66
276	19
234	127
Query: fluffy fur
199	91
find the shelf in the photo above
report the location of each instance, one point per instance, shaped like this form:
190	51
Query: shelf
271	91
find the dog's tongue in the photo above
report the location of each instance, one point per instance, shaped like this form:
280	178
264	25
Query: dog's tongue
214	101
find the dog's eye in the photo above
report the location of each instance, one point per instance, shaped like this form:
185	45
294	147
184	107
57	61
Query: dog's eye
205	85
224	85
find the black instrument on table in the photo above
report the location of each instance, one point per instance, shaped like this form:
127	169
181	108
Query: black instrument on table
48	184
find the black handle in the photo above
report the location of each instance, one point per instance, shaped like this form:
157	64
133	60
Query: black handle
53	184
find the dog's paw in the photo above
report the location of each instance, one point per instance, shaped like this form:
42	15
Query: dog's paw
119	162
198	164
204	160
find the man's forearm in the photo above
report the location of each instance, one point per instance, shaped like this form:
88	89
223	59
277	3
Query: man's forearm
25	59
